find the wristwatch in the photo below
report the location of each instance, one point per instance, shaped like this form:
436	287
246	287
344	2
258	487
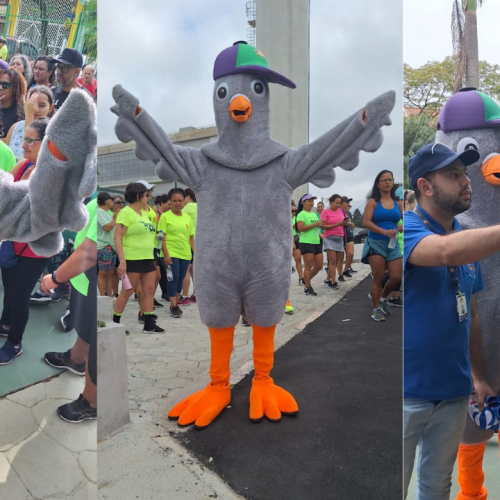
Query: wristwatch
54	278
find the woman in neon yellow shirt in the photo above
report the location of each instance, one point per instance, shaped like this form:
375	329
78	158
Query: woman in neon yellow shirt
190	208
178	229
134	245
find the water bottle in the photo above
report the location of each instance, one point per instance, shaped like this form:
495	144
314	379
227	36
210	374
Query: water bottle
126	282
170	274
392	243
159	239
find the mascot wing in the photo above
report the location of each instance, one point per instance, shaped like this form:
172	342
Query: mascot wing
340	147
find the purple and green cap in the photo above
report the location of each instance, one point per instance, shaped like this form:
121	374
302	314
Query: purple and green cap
243	58
469	109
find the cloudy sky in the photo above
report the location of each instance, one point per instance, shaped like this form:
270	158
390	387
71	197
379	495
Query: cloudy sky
164	54
427	31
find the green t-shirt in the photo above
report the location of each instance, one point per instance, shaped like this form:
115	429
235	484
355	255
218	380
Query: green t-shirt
312	235
138	244
295	233
319	218
151	215
177	230
7	158
104	238
81	282
4	52
191	209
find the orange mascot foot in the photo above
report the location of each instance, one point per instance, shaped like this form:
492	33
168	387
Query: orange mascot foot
265	397
202	407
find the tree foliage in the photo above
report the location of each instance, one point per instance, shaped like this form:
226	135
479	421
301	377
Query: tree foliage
357	218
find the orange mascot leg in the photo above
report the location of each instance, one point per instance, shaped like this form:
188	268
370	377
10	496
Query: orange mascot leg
265	397
470	472
202	407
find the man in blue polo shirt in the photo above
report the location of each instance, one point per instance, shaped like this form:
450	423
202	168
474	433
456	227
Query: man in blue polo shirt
443	356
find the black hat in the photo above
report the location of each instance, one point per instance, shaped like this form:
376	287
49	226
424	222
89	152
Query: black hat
102	197
345	199
70	56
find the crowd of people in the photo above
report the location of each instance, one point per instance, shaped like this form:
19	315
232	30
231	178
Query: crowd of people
31	93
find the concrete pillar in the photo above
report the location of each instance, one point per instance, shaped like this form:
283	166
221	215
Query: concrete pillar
112	377
282	28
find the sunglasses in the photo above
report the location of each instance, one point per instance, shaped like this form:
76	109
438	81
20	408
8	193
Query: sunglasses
64	69
118	202
30	141
388	181
5	85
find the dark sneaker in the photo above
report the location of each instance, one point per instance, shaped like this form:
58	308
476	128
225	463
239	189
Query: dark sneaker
310	291
347	274
77	411
385	308
301	282
392	302
175	312
326	269
60	292
293	270
40	298
333	286
63	360
192	299
135	298
3	331
164	297
327	282
157	304
377	315
154	328
341	278
352	271
141	318
66	321
8	352
183	301
244	322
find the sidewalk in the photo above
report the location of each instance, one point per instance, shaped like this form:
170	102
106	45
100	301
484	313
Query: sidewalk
143	459
41	456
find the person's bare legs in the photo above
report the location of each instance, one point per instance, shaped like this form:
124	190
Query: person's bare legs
395	268
377	265
115	280
90	390
332	264
140	296
147	282
186	282
340	261
80	351
318	265
109	283
101	282
349	256
298	263
122	299
308	263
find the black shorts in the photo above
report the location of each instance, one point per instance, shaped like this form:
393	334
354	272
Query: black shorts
350	239
141	266
310	248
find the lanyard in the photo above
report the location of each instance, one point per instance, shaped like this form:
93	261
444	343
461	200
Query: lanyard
453	273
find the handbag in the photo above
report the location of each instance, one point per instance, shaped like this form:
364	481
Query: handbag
8	258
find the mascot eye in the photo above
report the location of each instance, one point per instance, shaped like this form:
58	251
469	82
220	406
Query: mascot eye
467	143
222	91
258	87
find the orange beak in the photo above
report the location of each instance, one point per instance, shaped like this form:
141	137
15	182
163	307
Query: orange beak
240	109
491	169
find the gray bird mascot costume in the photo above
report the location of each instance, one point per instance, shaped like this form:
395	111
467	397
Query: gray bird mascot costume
472	119
242	249
37	210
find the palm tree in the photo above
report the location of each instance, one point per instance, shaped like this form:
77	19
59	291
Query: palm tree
465	47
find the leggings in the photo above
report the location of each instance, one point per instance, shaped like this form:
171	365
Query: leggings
179	269
18	283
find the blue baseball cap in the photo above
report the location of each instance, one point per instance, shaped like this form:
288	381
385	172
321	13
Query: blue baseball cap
434	157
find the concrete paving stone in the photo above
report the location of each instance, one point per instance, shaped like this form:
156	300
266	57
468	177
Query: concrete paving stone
139	383
182	365
87	492
172	383
17	424
11	487
199	356
165	349
88	462
66	386
46	468
239	341
76	438
147	394
158	370
141	358
29	396
168	358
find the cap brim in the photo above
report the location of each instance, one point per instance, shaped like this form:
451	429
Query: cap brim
467	157
65	62
271	75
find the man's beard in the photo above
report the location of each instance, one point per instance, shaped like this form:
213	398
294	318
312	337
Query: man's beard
449	203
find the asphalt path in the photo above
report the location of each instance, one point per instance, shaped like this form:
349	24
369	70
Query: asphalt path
346	443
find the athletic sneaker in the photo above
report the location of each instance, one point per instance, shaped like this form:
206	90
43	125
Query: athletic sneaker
341	278
164	297
301	282
244	322
8	352
310	291
377	315
135	298
333	286
183	301
327	282
384	306
63	360
140	317
192	299
326	269
40	298
63	290
66	321
77	411
351	270
157	304
3	331
347	274
369	295
288	309
154	328
395	302
175	312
